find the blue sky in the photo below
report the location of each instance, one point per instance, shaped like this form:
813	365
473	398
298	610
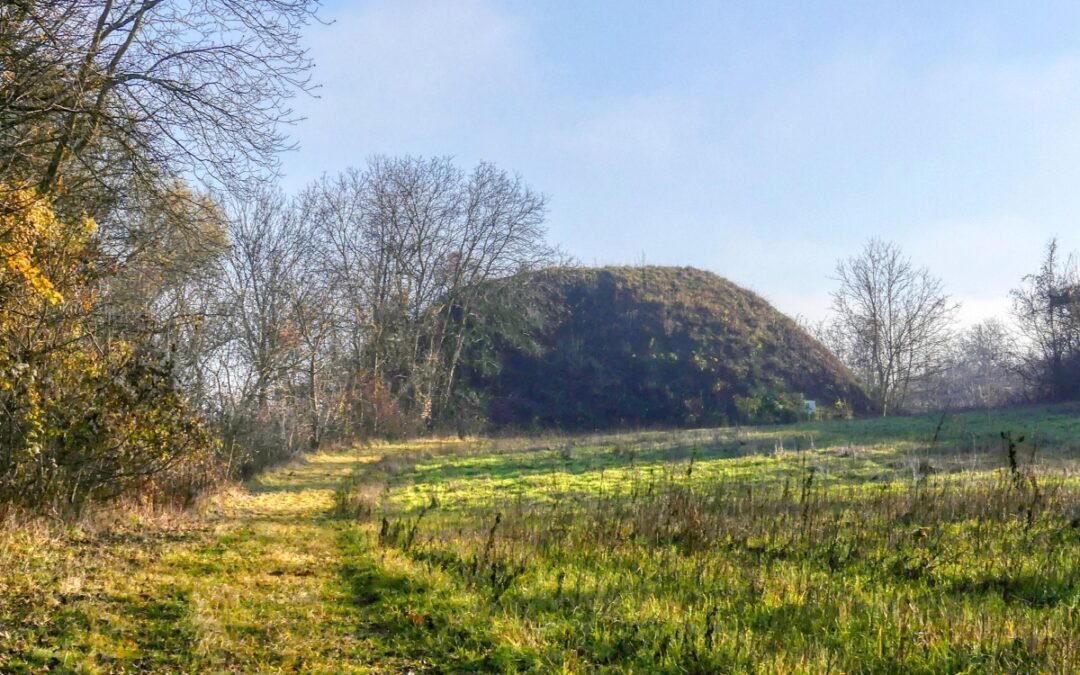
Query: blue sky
759	140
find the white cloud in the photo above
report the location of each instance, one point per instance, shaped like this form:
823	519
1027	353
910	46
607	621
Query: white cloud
974	310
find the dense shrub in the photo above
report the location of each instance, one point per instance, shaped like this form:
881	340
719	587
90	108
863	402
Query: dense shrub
86	413
770	406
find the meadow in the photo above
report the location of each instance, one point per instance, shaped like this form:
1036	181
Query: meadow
944	543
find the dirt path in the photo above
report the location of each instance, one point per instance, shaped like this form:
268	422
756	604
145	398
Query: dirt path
256	585
267	590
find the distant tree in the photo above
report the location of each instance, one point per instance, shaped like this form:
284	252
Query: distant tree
1047	311
317	329
981	370
891	323
259	354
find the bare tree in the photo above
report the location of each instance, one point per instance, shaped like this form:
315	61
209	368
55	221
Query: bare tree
980	370
1047	311
318	343
408	244
892	321
126	111
101	92
258	355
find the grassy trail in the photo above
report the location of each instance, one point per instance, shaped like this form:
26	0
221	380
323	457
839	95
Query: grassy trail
257	584
266	586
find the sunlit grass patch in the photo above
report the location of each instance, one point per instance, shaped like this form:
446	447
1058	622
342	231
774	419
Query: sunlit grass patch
898	545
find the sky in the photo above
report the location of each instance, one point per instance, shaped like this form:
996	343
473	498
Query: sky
760	140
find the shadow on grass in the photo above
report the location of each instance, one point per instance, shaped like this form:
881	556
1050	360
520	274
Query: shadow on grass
133	632
413	624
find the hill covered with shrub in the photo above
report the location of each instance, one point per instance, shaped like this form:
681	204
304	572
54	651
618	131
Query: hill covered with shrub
655	346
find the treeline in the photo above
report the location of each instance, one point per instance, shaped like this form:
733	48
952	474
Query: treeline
894	325
169	319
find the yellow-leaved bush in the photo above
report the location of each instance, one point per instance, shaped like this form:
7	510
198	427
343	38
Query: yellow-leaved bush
86	412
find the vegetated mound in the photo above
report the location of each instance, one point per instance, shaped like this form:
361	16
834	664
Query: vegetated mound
656	346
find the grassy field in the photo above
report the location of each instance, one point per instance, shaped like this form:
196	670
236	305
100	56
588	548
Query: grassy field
927	544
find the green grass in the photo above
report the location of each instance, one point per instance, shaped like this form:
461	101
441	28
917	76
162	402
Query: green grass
253	584
895	545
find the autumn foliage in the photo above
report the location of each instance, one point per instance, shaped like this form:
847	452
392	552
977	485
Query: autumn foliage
84	413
